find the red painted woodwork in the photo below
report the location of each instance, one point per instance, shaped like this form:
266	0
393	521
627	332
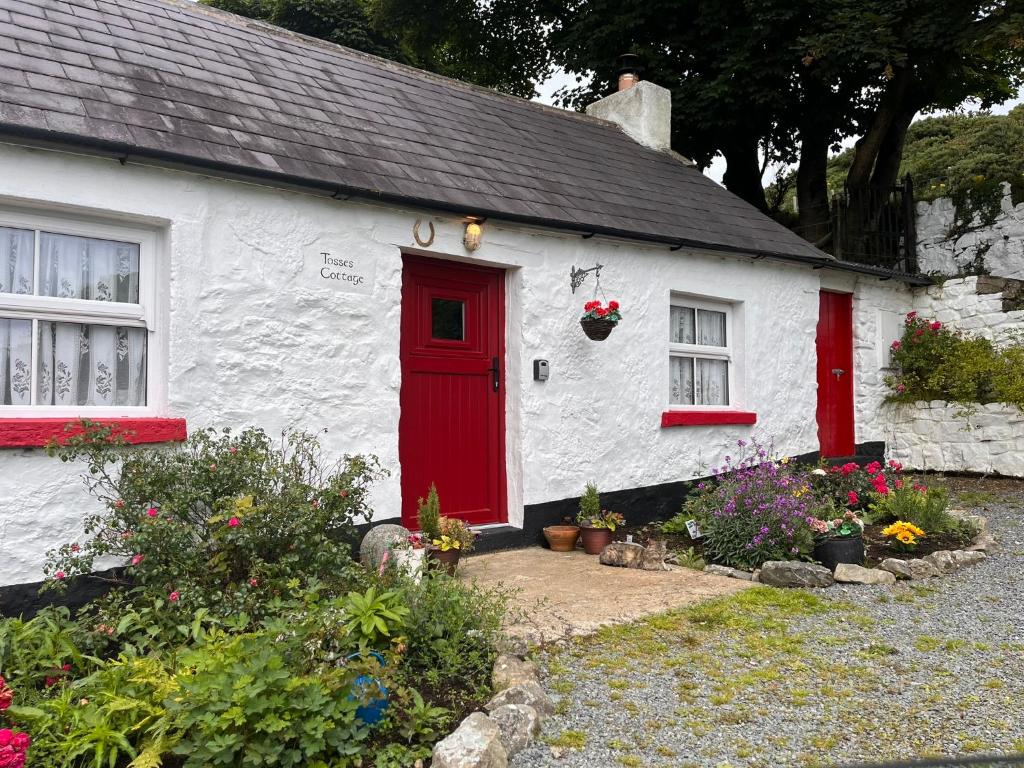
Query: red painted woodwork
451	430
835	391
34	433
706	418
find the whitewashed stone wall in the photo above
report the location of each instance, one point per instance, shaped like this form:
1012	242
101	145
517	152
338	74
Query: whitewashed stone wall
937	436
958	304
250	341
1004	240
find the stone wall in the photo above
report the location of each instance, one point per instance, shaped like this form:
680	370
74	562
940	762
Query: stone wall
1000	244
983	306
937	436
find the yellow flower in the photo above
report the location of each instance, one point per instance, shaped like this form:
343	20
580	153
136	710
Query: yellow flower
906	537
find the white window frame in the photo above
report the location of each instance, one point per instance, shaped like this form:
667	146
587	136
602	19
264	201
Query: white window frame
146	314
676	349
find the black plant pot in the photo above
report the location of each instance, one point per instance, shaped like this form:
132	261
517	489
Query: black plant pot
844	549
597	328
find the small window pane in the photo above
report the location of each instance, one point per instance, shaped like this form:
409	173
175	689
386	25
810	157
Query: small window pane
681	380
682	325
711	382
711	328
448	319
15	362
17	248
87	268
91	365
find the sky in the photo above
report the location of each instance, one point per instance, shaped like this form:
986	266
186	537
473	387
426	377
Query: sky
560	79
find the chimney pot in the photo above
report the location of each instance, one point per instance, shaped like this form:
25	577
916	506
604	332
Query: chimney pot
629	70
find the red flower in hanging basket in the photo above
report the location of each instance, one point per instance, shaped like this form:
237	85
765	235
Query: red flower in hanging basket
595	310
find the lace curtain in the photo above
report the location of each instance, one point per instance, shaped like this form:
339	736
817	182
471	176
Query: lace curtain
698	380
78	363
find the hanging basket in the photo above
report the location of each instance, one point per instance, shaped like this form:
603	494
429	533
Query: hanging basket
596	328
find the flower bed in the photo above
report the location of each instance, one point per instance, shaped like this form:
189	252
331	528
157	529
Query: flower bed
240	626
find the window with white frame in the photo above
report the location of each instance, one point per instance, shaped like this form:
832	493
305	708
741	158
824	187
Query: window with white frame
700	353
76	313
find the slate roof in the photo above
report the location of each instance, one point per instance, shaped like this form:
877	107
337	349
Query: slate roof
194	87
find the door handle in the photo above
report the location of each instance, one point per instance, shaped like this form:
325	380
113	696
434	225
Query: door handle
496	372
837	372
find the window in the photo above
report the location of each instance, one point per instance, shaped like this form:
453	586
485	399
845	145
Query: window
76	317
700	353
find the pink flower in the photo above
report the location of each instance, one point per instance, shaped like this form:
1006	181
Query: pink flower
935	326
59	575
896	345
119	503
898	484
213	467
873	468
895	465
852	497
174	596
137	559
6	736
75	547
152	512
849	468
234	522
254	582
911	316
8	757
920	488
21	741
233	450
901	388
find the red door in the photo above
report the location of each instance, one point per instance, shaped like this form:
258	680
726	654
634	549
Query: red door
452	427
835	374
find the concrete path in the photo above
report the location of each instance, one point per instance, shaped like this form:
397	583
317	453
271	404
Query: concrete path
562	594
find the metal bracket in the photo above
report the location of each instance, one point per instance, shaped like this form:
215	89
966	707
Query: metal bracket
577	276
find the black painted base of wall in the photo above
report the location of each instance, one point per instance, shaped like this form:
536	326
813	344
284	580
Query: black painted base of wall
639	506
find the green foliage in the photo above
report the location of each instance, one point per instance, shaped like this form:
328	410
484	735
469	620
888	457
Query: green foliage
429	515
221	518
590	503
32	651
936	363
374	616
497	44
688	558
924	507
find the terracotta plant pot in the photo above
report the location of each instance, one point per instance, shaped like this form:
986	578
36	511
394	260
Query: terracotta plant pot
447	561
562	538
596	328
595	539
842	549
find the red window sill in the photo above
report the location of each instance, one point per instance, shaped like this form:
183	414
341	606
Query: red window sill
706	418
35	433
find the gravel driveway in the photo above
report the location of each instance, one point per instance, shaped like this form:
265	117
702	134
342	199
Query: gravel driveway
807	678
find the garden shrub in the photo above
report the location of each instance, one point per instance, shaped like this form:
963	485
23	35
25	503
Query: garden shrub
924	507
220	519
756	509
936	363
852	485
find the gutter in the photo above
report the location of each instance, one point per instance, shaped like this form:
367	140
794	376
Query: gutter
125	153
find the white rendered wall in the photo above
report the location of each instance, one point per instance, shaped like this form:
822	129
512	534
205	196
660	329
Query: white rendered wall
1004	240
251	342
957	303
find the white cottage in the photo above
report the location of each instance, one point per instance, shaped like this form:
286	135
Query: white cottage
205	220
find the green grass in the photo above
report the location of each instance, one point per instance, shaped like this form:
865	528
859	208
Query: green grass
568	740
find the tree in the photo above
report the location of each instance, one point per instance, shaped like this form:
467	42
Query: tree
791	79
497	43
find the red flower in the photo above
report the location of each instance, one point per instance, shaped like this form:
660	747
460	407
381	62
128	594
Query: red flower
898	484
119	504
895	465
849	468
873	468
901	388
6	736
852	498
935	326
234	522
21	741
152	512
75	547
137	559
59	575
254	582
601	311
911	316
174	596
919	333
896	345
8	757
920	488
591	305
66	667
6	695
613	305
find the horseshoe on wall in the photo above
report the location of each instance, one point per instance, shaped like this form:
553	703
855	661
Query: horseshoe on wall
416	234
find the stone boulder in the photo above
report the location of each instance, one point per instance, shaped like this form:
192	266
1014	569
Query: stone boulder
984	543
381	539
909	569
511	670
476	743
622	554
529	693
942	560
792	573
519	724
963	558
732	573
848	573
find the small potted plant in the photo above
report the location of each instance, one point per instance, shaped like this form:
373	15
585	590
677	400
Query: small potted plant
410	556
598	321
455	539
839	541
562	538
596	525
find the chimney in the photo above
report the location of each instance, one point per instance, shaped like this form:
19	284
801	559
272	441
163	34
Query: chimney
642	109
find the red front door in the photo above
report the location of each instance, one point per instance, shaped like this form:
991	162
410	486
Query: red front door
835	374
452	427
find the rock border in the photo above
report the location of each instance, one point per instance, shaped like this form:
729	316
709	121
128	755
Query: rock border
510	722
795	573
